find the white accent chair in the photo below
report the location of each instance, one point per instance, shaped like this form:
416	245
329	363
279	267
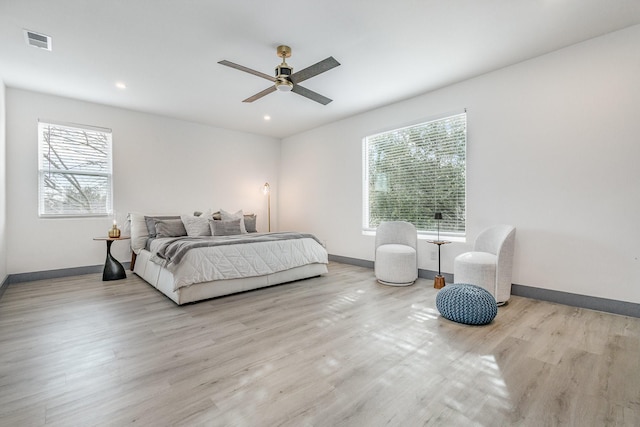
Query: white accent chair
396	257
490	264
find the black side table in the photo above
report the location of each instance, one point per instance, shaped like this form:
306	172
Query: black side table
438	282
113	270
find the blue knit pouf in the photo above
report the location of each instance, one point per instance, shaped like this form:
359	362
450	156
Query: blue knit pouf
469	304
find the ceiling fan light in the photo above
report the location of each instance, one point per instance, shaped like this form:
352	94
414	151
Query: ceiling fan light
284	84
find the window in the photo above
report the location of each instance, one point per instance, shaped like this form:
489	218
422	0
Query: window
75	170
413	172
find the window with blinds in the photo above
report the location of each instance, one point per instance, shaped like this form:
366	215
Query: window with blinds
75	170
413	172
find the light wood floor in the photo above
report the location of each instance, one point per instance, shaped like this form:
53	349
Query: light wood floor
339	350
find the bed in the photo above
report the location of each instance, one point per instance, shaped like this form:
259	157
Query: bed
196	266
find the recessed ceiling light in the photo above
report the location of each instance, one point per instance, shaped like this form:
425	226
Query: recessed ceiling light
267	117
121	85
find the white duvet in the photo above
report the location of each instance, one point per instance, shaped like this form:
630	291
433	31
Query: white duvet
242	260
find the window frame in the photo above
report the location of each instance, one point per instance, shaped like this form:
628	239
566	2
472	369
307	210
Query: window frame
428	232
44	167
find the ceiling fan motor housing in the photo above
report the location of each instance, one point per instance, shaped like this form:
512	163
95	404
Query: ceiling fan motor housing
284	69
283	83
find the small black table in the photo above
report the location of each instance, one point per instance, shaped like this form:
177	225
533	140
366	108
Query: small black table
113	270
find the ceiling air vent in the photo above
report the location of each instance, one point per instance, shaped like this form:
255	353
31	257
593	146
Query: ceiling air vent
34	39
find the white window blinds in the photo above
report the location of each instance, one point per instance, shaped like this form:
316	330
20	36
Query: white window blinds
414	172
75	170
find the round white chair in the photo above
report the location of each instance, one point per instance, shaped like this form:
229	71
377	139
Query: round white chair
490	264
396	258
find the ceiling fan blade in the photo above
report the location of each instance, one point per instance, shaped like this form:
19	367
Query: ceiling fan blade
314	96
314	70
259	95
247	70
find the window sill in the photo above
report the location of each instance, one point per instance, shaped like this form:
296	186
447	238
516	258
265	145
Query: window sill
426	236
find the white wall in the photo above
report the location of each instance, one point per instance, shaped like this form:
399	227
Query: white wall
160	165
553	149
3	188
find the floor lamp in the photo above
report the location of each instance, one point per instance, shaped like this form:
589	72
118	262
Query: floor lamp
266	189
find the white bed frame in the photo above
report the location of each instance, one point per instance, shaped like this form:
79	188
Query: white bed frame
162	279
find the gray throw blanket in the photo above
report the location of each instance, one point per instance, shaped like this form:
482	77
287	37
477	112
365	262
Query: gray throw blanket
172	251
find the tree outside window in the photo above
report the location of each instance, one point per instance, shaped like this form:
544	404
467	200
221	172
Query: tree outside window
413	172
75	170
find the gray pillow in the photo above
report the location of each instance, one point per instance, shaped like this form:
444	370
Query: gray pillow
151	223
250	223
170	228
226	216
196	225
225	228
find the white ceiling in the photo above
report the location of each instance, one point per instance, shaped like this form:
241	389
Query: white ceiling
167	52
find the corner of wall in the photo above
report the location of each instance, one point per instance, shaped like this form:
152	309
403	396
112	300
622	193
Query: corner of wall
3	186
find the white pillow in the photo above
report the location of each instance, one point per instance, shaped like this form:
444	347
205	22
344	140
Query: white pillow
196	225
226	216
139	232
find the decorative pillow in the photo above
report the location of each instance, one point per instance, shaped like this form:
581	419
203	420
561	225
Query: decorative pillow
170	228
216	216
226	216
250	223
225	228
196	225
151	223
139	232
204	213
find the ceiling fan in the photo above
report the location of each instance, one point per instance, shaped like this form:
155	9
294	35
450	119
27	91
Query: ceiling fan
285	81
